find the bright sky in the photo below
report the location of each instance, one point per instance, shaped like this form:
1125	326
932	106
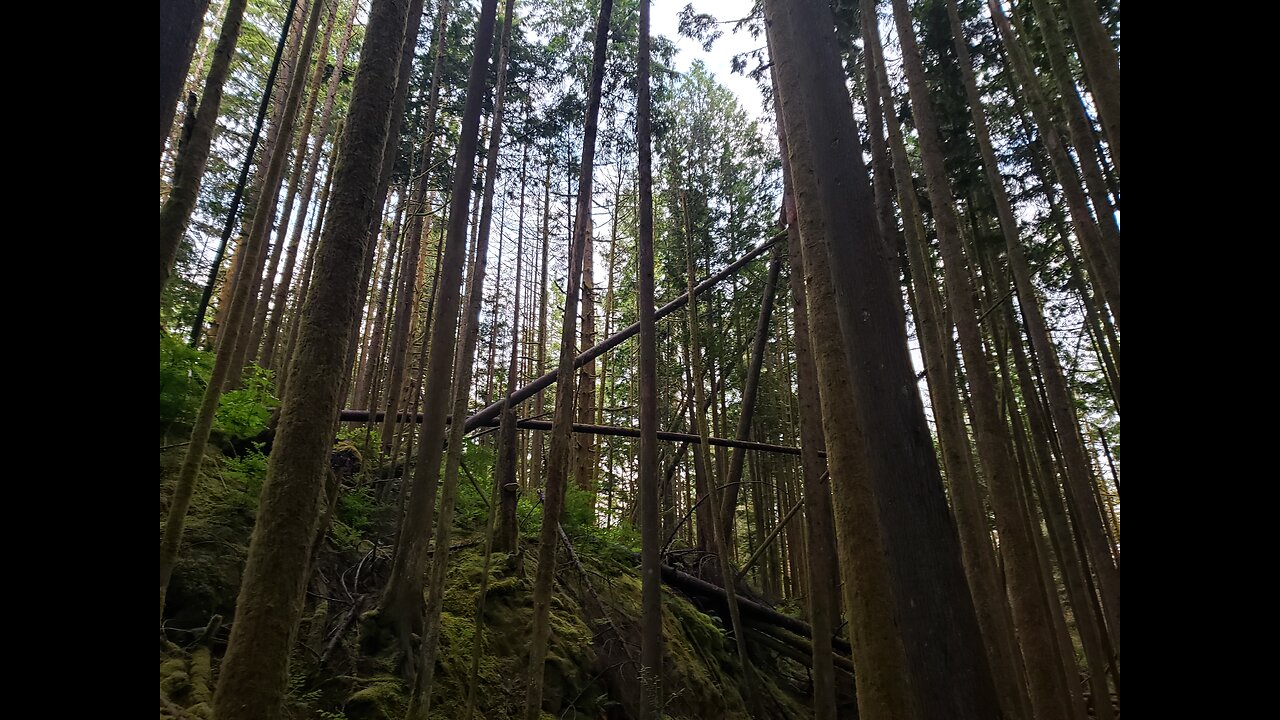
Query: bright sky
664	15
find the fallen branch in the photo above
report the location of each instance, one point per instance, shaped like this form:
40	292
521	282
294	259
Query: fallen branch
343	626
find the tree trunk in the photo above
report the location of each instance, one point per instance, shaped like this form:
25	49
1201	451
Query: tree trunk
308	187
264	216
585	454
253	196
561	436
716	544
824	576
749	397
401	605
868	339
198	325
1032	616
1101	69
420	701
1061	403
504	473
372	361
301	158
308	266
651	700
398	356
1080	130
221	367
180	23
1102	272
543	300
193	151
254	671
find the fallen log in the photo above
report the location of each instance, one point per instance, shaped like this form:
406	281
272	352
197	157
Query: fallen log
795	647
586	429
750	609
487	415
491	412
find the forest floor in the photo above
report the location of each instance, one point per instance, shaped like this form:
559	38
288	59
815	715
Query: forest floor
341	668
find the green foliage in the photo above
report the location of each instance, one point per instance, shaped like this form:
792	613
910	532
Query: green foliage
579	512
249	468
184	375
472	504
367	440
244	413
184	372
353	515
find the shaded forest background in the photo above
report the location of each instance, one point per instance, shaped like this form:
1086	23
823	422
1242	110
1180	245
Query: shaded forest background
406	295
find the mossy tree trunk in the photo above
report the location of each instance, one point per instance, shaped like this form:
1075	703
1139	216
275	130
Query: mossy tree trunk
824	575
222	363
882	691
944	672
254	672
420	700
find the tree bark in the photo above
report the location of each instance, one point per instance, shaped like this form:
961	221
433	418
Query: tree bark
1061	402
504	474
254	327
925	582
1102	272
301	158
180	23
650	526
254	672
308	187
1101	69
222	365
193	152
558	457
253	195
401	605
264	215
749	397
420	700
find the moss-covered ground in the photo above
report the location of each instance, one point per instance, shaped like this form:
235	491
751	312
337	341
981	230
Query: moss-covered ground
589	672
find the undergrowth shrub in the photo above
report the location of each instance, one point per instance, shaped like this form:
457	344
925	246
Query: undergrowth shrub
184	375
